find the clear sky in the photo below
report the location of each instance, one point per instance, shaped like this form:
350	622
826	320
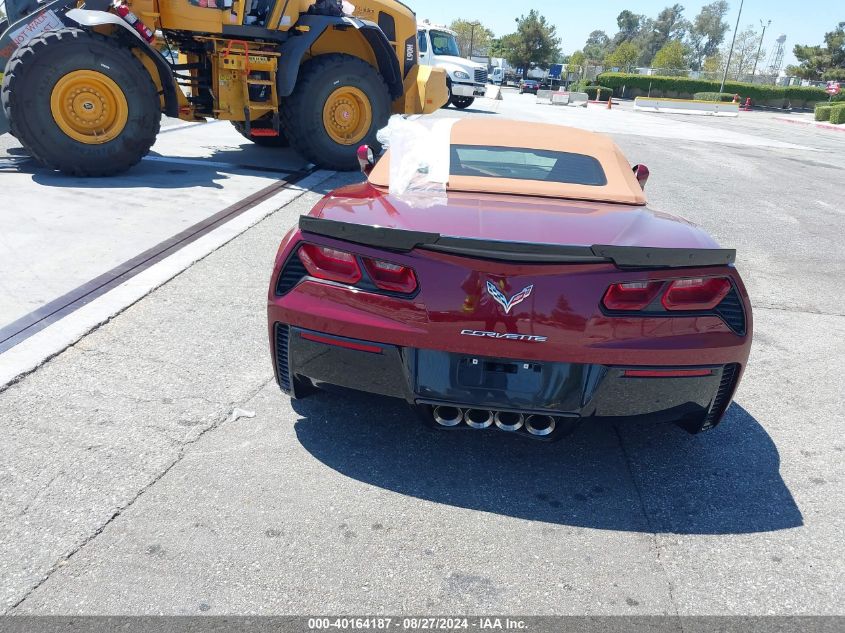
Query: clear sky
803	21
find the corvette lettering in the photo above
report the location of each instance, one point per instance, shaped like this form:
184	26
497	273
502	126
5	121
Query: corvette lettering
528	338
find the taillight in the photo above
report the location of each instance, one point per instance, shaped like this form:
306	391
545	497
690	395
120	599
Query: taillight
391	277
696	294
330	264
632	295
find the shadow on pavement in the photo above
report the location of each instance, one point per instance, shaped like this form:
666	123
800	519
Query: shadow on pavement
169	171
639	478
472	111
146	174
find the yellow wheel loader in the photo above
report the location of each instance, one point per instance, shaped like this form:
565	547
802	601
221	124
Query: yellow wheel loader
84	84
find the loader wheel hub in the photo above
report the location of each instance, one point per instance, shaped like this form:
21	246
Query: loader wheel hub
347	115
89	107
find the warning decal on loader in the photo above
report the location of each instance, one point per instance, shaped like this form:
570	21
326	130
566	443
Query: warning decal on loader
47	21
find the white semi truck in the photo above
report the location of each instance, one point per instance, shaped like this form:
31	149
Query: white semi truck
466	79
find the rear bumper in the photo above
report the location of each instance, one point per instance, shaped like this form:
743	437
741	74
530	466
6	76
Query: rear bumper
430	377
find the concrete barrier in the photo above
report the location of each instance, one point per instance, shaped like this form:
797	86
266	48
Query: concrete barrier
578	99
686	106
560	98
550	97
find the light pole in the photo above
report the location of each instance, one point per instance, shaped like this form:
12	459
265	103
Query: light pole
765	25
731	53
472	37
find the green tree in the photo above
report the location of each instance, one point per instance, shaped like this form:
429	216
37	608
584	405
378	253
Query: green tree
534	43
472	32
822	62
744	53
673	56
575	65
630	25
597	47
707	32
714	63
625	56
499	47
669	25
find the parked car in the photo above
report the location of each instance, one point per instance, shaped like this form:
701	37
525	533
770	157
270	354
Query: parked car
534	292
529	85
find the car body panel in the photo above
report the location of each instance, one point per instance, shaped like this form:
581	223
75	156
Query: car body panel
515	218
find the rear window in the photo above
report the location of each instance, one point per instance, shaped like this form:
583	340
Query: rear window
518	163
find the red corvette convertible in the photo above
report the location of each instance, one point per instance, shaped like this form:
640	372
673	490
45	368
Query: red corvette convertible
537	292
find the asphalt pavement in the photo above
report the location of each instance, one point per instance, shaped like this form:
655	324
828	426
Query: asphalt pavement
59	232
154	467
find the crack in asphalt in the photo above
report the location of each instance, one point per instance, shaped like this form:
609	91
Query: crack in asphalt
798	310
655	537
215	424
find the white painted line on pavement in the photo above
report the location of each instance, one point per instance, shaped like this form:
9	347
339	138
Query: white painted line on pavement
54	339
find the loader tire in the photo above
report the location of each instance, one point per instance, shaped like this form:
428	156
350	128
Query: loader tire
340	102
264	141
81	103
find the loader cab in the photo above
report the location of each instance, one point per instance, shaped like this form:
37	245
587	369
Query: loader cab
257	12
282	14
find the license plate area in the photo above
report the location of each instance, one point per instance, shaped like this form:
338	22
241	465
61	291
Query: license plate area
477	372
497	382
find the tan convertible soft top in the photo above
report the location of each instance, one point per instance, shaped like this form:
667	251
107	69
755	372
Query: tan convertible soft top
621	187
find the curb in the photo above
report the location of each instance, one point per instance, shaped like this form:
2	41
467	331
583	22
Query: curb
816	124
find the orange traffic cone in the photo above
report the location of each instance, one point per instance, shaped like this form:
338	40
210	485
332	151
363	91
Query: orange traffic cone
610	102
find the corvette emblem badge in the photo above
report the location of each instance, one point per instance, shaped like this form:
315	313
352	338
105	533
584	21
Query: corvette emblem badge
503	301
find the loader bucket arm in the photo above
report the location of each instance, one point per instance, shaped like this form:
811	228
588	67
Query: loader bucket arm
45	17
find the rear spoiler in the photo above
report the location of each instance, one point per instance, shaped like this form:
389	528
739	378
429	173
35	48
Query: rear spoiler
402	241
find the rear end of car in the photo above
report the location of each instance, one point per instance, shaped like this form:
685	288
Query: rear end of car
530	86
530	338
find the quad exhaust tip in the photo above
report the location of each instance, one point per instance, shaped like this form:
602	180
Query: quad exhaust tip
508	421
448	416
478	418
540	425
537	425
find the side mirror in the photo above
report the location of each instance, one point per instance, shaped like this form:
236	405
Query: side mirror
641	173
366	159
